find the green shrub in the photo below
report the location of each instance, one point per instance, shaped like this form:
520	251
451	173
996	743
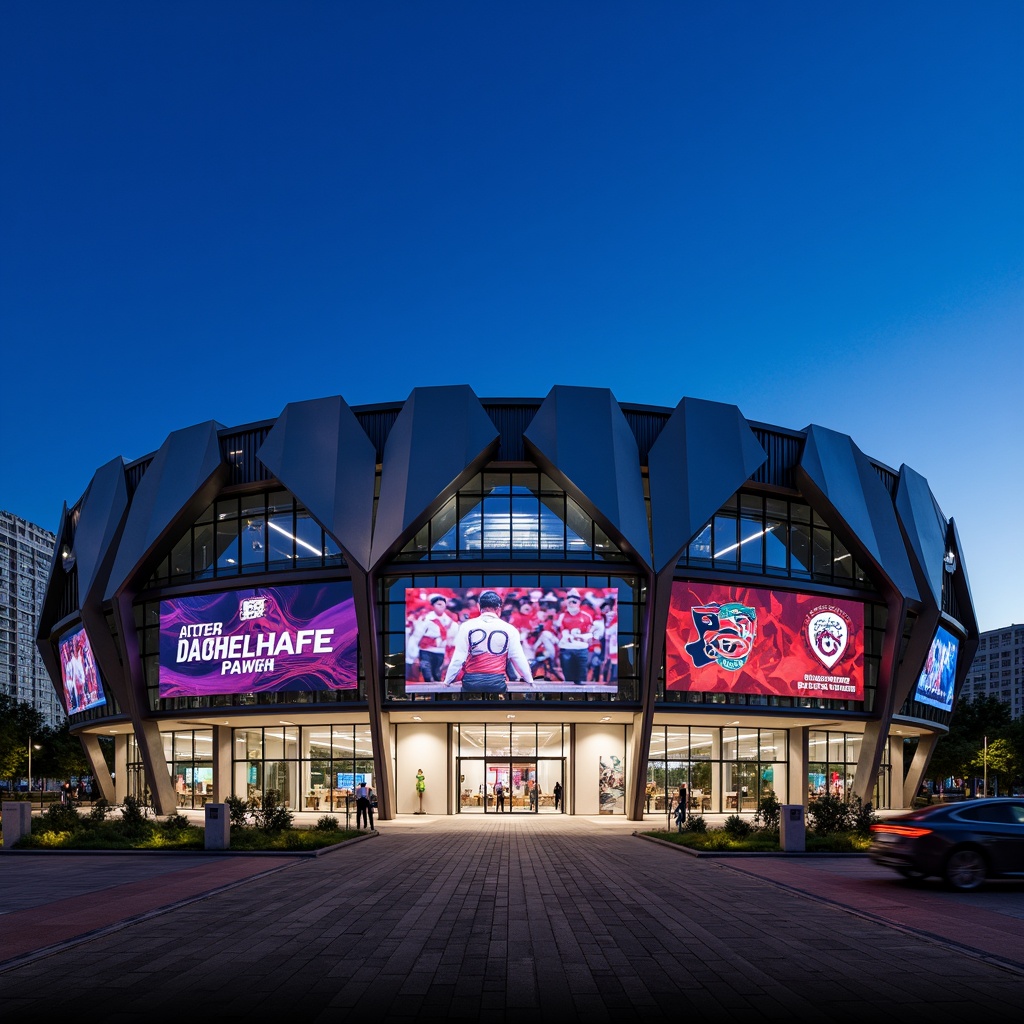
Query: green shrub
327	823
862	817
133	817
238	811
175	824
60	818
697	823
828	814
271	815
769	813
736	827
99	811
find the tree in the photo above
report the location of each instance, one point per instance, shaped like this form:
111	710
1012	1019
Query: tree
1000	759
18	722
972	722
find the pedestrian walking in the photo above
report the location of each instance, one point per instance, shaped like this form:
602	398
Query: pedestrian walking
558	796
499	796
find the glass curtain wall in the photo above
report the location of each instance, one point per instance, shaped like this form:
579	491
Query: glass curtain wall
311	768
726	770
189	756
832	767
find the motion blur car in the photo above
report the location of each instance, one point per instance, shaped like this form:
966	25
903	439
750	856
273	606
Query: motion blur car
963	843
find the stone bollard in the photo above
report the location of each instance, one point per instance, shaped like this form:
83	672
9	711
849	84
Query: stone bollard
218	827
17	820
792	830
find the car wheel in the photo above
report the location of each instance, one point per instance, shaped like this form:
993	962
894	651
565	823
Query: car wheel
965	869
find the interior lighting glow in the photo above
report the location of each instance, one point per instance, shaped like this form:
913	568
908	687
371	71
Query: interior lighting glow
298	540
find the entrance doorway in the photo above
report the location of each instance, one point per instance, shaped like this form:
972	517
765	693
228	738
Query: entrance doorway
527	785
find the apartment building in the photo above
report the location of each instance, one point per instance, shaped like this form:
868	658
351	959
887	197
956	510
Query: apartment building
26	553
998	667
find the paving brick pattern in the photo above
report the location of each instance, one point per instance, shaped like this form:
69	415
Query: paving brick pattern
473	918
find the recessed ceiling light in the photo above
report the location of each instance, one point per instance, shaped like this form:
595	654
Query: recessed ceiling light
510	717
416	718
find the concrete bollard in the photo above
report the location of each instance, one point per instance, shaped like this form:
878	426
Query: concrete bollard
792	829
17	820
218	827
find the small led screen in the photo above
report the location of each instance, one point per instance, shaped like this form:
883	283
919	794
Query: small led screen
82	687
938	677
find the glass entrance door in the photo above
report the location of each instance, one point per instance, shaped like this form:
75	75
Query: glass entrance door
511	785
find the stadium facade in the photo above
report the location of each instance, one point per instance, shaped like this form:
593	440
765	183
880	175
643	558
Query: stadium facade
686	596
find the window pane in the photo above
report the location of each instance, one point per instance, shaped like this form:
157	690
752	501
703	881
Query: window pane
726	544
700	546
227	546
578	525
800	550
309	540
751	542
822	552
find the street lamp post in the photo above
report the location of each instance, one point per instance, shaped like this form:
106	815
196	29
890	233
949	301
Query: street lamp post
30	746
984	791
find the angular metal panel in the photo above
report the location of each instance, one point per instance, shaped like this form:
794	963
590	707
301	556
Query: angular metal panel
102	513
320	452
582	439
186	471
925	528
840	476
442	436
705	453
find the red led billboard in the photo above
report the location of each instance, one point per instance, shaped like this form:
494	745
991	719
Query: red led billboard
723	639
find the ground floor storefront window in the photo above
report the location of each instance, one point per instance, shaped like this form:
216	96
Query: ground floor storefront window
310	768
726	770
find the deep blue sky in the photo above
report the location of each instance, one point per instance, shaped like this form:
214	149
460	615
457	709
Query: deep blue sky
813	211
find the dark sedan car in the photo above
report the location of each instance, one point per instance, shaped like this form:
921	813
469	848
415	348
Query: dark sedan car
962	843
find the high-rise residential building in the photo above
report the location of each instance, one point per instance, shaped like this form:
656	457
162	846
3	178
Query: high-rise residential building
26	553
998	668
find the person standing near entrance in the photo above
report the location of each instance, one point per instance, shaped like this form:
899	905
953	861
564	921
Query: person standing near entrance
558	795
483	648
499	796
363	806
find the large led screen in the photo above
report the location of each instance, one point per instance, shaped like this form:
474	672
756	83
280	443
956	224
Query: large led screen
82	688
535	640
267	638
935	684
723	639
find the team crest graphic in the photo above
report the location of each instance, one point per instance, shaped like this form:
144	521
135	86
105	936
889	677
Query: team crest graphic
726	635
827	632
252	608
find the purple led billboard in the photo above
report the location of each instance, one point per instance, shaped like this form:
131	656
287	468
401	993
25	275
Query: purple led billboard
260	639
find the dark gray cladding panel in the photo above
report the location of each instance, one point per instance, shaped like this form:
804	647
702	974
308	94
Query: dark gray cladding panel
583	439
704	454
962	588
838	473
925	527
103	509
320	452
442	435
185	464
